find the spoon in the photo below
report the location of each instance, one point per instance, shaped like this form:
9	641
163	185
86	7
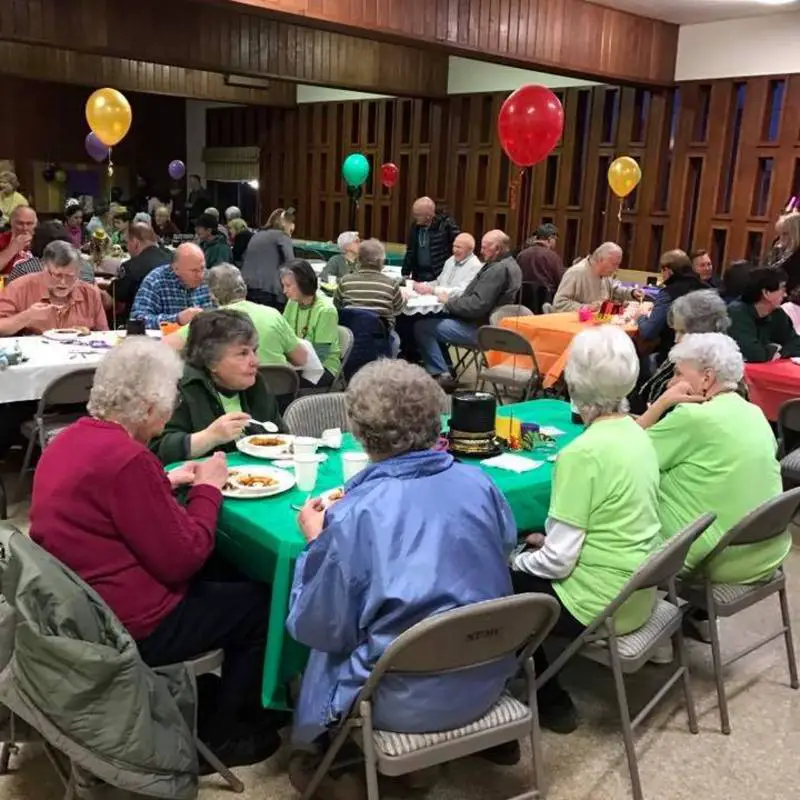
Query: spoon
269	427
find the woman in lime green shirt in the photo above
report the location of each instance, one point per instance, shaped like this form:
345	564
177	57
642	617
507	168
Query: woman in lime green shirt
312	316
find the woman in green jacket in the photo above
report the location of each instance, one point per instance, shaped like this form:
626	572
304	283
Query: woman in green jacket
220	391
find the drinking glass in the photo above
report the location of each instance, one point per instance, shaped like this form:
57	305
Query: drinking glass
353	463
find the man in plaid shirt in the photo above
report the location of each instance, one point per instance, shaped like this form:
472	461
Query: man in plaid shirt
176	292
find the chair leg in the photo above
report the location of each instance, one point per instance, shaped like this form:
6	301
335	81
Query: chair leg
539	786
370	759
26	465
691	712
327	762
787	635
235	784
625	719
716	657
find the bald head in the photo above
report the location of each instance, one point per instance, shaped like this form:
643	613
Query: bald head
423	211
189	264
463	246
23	220
494	245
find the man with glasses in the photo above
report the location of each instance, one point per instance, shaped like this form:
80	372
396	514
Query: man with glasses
52	298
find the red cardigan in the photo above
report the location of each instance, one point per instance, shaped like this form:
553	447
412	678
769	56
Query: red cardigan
103	506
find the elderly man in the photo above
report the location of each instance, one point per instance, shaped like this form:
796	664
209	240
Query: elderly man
539	262
52	298
497	283
345	261
175	292
430	241
15	244
232	212
458	272
146	255
703	267
590	281
212	241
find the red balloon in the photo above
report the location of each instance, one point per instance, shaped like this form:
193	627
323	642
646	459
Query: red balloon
530	124
389	174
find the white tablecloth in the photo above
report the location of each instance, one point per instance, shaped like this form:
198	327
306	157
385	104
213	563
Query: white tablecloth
422	304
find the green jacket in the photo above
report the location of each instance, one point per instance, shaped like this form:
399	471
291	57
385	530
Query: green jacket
199	405
216	251
757	337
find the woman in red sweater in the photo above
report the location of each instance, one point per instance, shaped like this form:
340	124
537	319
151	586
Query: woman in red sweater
103	505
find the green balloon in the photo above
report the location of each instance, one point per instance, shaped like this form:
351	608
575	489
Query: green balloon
355	169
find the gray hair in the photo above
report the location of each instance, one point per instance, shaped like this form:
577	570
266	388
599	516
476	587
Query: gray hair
716	352
139	375
346	238
212	332
394	407
143	216
700	312
371	253
213	211
232	212
226	284
62	254
601	371
605	250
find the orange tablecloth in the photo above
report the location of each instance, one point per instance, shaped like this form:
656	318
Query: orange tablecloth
550	335
772	384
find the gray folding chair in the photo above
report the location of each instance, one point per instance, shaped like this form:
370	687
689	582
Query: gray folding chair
68	390
722	600
283	381
311	415
453	641
628	653
513	310
789	442
511	378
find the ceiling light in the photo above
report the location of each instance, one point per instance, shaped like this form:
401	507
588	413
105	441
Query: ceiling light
253	184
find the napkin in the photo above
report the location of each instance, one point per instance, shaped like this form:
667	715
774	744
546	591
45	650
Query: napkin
312	369
549	430
512	463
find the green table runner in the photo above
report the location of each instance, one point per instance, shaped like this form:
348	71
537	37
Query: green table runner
395	253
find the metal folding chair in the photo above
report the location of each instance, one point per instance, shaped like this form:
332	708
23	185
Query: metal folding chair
628	653
725	600
456	640
283	381
513	378
346	341
512	310
310	416
789	442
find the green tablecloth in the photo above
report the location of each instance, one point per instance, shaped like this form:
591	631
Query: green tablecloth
395	253
262	539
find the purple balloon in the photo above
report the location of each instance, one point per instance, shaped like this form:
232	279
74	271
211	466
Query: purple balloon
95	148
176	169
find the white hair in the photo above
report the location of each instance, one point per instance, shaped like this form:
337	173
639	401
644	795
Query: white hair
226	284
346	238
716	352
371	253
139	375
601	371
605	250
232	212
143	216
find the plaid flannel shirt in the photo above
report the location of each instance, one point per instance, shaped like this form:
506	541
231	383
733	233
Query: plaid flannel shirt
162	296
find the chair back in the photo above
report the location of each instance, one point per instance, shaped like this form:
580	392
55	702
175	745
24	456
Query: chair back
504	341
535	295
547	308
789	425
503	312
370	338
346	339
70	389
282	380
477	634
315	413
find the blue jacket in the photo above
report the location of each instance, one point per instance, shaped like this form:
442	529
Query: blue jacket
416	535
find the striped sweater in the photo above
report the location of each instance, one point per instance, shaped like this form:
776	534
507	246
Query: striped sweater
370	289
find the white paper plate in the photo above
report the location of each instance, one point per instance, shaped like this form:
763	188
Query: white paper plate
330	497
65	334
245	446
284	481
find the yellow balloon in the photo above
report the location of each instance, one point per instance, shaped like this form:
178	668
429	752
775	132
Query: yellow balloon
109	115
624	175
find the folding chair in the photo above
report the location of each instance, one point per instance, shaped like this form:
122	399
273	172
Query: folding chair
283	381
310	416
628	653
70	389
456	640
722	600
346	340
789	442
514	378
504	312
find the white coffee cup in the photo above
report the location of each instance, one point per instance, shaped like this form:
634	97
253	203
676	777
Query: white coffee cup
306	467
410	284
305	445
353	463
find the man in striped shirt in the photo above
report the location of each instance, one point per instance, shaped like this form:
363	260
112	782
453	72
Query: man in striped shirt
369	288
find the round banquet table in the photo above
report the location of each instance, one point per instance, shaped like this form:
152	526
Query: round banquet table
772	384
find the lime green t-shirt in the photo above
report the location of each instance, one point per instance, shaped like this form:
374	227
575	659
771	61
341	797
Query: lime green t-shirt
230	405
606	484
275	338
719	456
319	324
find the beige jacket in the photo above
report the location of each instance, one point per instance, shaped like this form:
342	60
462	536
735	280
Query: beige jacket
580	286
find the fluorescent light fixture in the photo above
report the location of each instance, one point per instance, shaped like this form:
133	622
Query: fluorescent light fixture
253	184
247	82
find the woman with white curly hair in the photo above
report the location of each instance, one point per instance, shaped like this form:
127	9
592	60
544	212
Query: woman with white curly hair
103	505
717	453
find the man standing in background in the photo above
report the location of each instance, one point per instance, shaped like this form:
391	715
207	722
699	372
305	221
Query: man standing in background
430	241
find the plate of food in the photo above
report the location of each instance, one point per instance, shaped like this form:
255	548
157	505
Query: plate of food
332	496
65	334
266	445
253	482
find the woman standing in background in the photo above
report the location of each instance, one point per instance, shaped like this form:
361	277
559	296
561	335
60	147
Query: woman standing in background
267	252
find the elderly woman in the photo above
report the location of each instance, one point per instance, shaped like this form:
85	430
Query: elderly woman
387	556
344	262
44	233
268	251
312	316
73	222
103	505
10	198
163	225
240	236
788	250
220	391
716	453
603	517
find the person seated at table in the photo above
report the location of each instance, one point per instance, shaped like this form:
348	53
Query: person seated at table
703	267
759	325
603	518
345	261
175	292
121	222
369	288
734	280
716	453
103	505
43	234
240	236
213	243
497	283
73	222
458	272
539	262
52	298
268	251
313	317
15	243
590	281
10	198
220	391
387	556
163	225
